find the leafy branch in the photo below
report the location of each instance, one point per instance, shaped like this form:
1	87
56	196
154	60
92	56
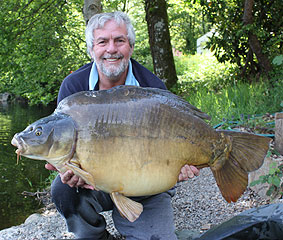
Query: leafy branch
273	178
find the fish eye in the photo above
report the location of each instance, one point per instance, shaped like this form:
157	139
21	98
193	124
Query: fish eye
38	132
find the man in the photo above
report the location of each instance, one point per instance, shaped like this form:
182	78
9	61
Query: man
110	40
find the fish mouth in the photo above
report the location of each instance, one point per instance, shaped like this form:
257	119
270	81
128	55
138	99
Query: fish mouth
20	144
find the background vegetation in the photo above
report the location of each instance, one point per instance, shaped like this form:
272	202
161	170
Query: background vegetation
217	89
43	41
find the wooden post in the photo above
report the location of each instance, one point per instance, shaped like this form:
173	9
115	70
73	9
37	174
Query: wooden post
278	145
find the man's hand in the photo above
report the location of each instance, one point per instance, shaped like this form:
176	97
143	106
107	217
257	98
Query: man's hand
188	172
70	178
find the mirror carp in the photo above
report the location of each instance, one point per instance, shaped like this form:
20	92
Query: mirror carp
133	141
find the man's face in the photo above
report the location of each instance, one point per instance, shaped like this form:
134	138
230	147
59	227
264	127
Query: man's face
111	49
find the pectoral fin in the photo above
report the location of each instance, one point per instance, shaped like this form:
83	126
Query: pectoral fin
75	167
127	207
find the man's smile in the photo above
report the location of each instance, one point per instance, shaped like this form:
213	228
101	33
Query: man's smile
112	59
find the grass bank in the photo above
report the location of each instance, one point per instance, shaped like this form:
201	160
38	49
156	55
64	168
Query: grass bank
218	90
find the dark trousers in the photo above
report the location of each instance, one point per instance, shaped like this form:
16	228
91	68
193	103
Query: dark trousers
81	209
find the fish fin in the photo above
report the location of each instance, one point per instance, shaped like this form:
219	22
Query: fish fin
75	167
128	208
231	180
231	169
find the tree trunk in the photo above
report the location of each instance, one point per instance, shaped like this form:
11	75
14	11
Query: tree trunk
253	40
91	7
159	40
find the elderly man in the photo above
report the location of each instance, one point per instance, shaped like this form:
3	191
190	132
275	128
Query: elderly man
110	40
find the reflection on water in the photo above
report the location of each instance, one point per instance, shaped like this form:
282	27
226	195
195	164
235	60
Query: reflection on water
27	175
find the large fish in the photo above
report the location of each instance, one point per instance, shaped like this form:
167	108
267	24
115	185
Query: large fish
132	141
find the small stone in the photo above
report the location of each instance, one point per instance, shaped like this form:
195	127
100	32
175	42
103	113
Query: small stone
206	226
33	218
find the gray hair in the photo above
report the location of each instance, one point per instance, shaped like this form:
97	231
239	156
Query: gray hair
98	21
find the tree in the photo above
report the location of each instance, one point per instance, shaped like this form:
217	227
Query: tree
247	33
91	7
159	39
42	42
253	40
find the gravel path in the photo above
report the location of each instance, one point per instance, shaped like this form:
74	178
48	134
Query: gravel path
198	205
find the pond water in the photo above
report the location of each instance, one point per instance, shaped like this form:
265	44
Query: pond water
28	175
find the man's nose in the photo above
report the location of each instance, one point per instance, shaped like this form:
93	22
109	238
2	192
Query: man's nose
111	48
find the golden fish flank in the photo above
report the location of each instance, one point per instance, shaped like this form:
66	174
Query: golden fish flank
145	136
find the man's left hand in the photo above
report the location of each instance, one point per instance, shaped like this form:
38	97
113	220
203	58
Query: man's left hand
188	172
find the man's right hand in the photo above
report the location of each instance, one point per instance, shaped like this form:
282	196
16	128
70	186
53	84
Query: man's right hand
70	178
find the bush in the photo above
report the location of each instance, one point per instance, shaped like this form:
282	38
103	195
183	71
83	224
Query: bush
196	72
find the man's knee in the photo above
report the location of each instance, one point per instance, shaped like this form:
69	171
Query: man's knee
73	200
63	196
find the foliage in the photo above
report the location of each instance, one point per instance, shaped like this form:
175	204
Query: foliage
217	90
42	43
47	182
277	74
274	178
196	72
278	60
230	39
187	23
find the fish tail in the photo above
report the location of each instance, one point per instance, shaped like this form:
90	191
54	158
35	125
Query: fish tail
246	154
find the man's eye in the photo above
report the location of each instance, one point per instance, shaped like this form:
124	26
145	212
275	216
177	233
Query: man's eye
101	43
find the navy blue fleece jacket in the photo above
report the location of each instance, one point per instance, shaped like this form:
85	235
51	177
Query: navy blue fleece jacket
78	80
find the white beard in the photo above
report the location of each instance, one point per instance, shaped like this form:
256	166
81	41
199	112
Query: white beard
112	72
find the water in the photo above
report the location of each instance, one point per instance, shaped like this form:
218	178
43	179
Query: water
28	175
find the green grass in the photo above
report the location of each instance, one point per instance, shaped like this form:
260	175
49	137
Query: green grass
216	89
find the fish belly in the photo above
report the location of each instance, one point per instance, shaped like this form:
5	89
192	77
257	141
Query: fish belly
137	166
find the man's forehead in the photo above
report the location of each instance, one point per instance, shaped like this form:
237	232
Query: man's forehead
111	28
108	36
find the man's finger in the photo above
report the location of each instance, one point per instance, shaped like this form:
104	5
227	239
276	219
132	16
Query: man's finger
87	186
80	183
73	181
50	167
190	173
66	177
195	170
